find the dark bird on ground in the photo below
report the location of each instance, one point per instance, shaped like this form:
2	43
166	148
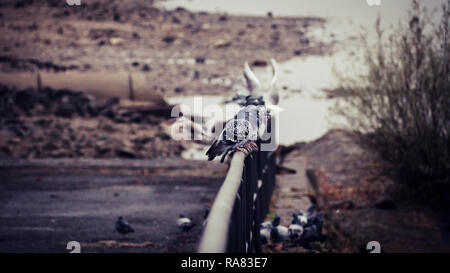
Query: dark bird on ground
122	226
311	234
185	224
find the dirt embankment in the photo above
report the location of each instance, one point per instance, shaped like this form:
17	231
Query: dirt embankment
362	203
181	52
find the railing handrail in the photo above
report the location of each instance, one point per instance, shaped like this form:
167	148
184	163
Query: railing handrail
214	239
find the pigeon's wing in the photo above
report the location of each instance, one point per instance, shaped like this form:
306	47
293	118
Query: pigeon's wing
256	118
234	133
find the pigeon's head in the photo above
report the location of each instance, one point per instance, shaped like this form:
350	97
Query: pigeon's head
295	231
181	216
254	86
276	221
266	225
120	218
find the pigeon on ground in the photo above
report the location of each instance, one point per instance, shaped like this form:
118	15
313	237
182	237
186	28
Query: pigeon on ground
264	235
240	133
122	226
295	231
299	219
296	227
279	233
184	223
311	234
264	232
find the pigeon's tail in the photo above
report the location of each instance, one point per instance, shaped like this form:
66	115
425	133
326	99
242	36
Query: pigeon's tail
216	149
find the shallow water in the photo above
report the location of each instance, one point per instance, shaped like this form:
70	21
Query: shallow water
306	113
358	11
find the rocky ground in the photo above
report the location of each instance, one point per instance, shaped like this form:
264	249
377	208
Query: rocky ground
182	52
362	203
62	124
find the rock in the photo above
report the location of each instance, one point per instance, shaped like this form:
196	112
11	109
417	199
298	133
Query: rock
200	60
386	203
25	99
125	153
305	41
116	16
65	110
222	43
175	20
111	102
179	90
146	68
259	62
348	204
116	41
169	39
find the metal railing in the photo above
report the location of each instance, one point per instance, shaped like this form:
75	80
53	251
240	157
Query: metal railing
241	205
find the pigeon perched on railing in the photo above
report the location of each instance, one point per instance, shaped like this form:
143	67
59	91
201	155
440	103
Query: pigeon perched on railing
184	223
122	226
240	133
250	123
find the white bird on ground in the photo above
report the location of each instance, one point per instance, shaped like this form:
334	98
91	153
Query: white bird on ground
299	219
264	232
184	223
295	231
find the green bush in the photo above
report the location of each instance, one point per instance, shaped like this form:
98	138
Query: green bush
402	103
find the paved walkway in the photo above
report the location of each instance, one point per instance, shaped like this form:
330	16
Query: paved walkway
45	206
291	191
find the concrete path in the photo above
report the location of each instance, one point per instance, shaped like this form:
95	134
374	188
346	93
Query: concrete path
44	206
291	191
